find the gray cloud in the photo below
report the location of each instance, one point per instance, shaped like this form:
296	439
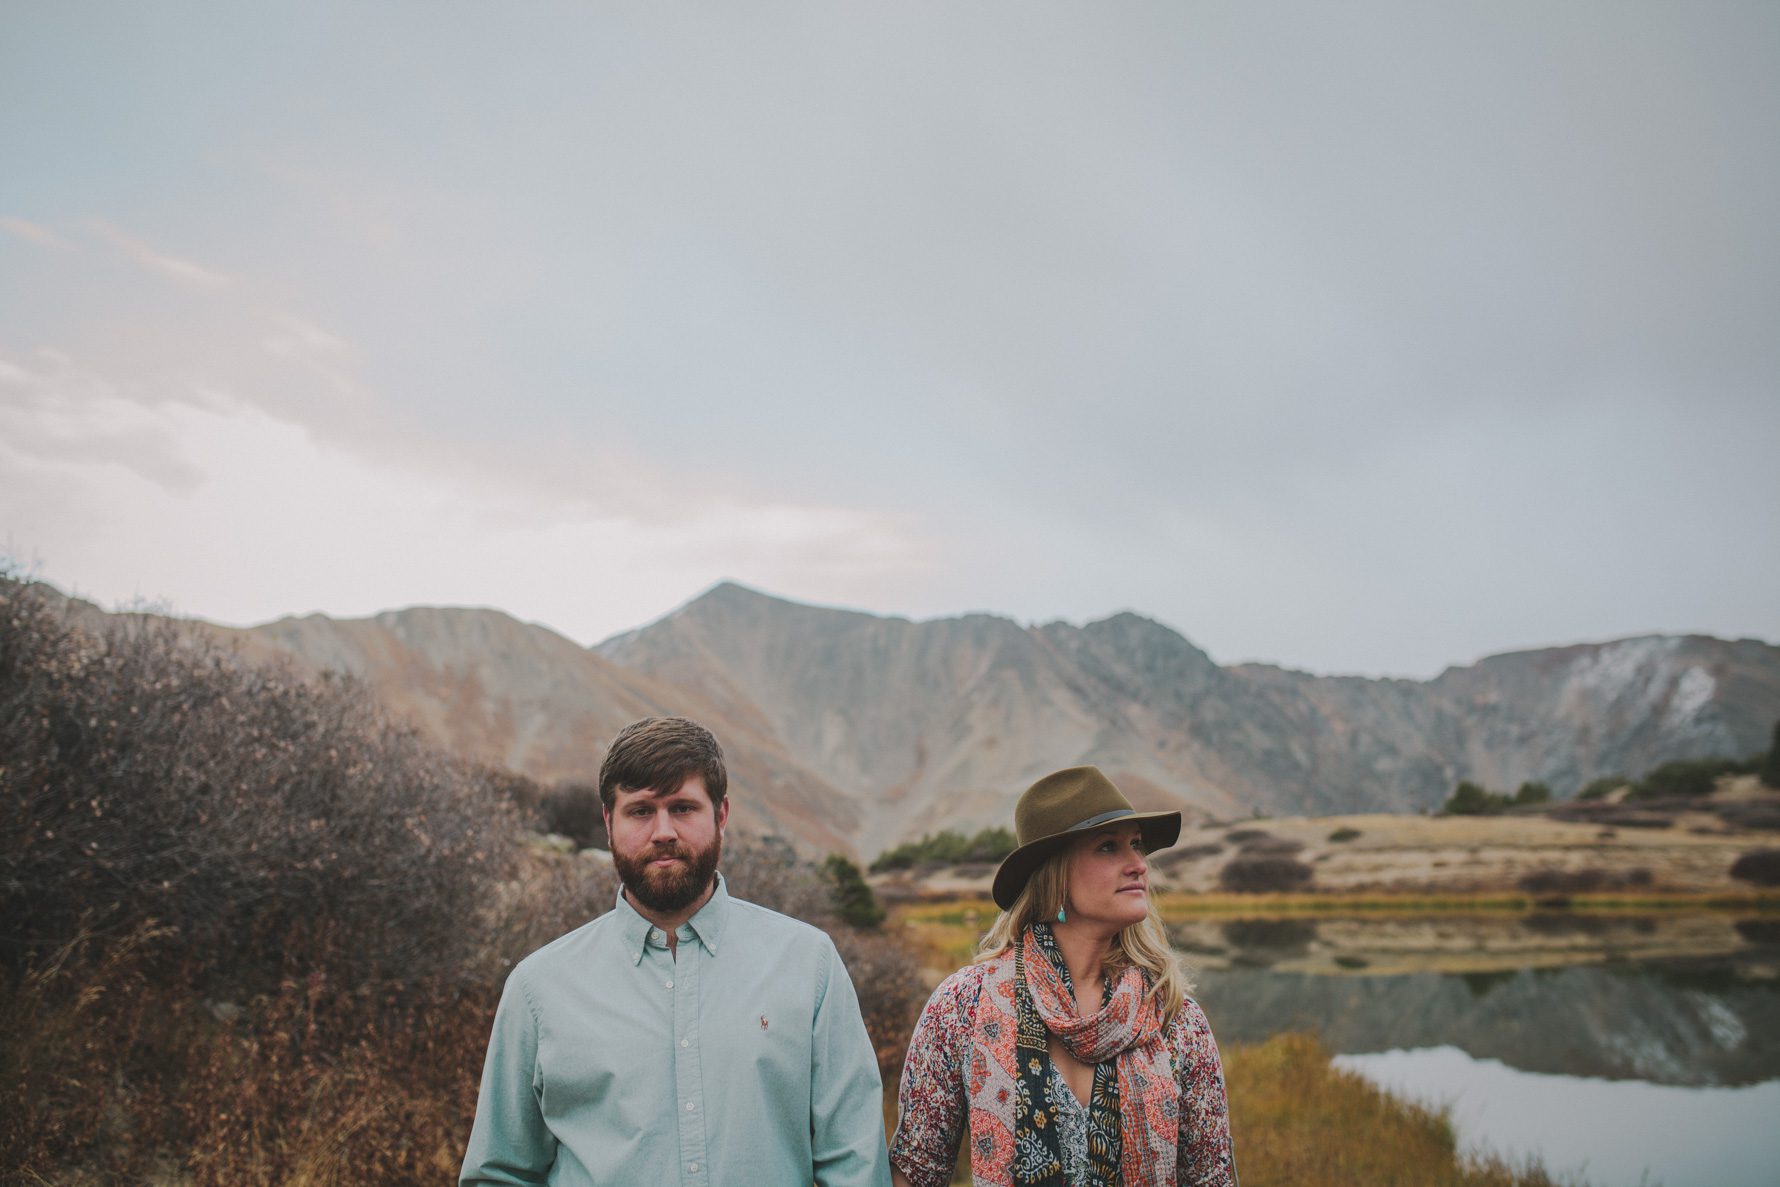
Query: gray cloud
1370	337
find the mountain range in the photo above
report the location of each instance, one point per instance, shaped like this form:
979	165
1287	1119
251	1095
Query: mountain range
854	732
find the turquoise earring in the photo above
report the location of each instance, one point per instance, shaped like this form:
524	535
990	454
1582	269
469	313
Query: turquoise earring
1060	918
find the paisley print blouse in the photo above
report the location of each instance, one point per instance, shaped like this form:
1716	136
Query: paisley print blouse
934	1113
1072	1126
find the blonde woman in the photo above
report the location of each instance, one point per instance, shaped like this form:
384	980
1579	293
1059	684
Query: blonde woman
1068	1050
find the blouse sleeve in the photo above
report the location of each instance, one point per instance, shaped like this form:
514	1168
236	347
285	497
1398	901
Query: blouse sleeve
1205	1155
931	1104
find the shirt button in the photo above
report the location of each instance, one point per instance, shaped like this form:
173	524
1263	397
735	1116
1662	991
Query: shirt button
667	984
685	1042
692	1168
690	1105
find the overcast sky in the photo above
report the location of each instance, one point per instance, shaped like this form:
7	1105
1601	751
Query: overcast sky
1359	338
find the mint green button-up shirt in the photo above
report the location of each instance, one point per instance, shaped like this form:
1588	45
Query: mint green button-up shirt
742	1062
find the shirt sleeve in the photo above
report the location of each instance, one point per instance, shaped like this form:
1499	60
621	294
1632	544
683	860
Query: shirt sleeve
510	1143
846	1091
933	1113
1206	1158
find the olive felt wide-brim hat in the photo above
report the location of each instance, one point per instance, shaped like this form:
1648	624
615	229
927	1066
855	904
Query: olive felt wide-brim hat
1065	805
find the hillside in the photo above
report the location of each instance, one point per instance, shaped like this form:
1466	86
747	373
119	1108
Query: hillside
944	722
853	731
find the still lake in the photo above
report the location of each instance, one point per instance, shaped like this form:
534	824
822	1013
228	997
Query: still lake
1621	1048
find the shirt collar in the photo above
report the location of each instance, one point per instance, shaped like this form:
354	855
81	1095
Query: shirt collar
706	926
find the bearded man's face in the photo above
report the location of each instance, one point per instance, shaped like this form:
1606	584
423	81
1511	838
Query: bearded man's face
665	845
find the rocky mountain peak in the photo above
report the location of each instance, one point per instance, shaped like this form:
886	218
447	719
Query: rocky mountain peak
854	732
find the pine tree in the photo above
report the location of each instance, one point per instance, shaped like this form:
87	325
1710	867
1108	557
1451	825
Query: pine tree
1532	792
1770	766
851	893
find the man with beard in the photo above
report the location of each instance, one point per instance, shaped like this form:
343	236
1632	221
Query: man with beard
685	1037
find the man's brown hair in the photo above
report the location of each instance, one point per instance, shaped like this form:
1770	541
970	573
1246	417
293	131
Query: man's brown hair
657	753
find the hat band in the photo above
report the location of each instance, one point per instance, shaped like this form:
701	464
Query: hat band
1091	821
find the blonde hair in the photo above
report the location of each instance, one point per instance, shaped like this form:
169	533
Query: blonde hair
1143	944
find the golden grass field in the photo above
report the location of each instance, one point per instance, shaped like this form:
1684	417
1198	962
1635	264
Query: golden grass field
1649	857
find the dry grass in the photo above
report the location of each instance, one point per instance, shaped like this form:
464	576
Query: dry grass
945	935
1296	1120
117	1070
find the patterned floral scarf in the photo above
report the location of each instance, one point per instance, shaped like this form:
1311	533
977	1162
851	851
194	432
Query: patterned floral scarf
1134	1110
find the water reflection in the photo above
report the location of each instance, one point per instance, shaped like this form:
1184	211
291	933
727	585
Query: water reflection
1634	1048
1688	1001
1608	1132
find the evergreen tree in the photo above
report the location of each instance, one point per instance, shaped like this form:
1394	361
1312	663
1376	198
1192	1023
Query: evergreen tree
1600	788
1532	792
851	893
1472	799
1770	766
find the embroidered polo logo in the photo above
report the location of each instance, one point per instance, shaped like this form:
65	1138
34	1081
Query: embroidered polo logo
763	1022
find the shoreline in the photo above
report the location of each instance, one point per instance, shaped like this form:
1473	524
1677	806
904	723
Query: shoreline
1374	935
1176	904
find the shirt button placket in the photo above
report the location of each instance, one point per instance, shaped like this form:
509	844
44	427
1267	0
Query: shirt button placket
684	1051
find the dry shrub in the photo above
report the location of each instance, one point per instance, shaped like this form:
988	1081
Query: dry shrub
551	894
75	1103
891	991
261	819
1555	881
1264	873
569	809
1289	934
1760	866
1257	841
1755	815
572	810
884	970
1627	818
323	1086
243	917
116	1064
117	1067
1759	931
768	871
1608	815
253	932
309	1083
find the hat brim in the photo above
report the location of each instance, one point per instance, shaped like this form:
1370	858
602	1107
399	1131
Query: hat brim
1160	830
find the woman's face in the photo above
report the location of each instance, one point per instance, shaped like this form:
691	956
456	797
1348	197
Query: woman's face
1108	878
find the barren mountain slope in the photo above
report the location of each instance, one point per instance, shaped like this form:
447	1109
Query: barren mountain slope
521	696
942	723
934	724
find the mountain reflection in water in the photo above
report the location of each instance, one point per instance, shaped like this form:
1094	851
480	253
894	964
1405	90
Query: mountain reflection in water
1604	1132
1681	1000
